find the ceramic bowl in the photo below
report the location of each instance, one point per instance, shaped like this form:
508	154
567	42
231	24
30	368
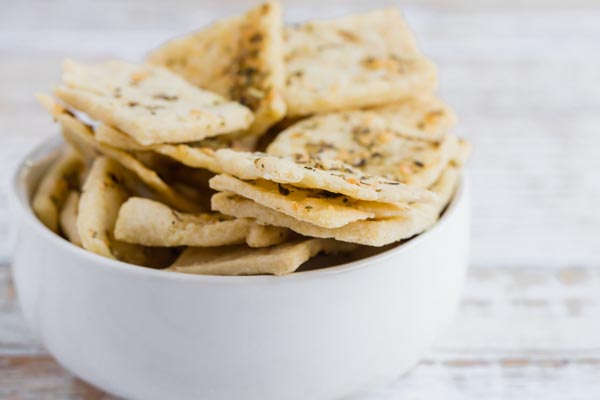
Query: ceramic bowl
321	334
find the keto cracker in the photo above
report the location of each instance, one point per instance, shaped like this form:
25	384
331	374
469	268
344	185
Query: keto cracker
68	218
240	260
81	136
150	103
150	223
196	155
53	190
369	143
240	58
104	191
316	173
463	152
319	207
355	61
371	232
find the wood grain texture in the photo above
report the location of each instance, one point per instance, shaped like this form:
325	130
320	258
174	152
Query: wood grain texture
520	334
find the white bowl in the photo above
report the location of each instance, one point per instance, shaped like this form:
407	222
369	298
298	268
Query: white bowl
149	334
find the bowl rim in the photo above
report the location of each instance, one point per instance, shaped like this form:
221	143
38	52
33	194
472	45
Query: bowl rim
45	149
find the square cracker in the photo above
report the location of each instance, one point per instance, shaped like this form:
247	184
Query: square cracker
372	232
319	207
370	142
240	58
240	260
150	223
355	61
150	103
316	173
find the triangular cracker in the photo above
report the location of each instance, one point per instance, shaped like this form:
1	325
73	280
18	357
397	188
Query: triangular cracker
315	173
240	260
240	58
355	61
150	223
150	103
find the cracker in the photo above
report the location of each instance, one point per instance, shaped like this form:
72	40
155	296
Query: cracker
203	58
463	152
266	235
68	218
196	155
240	58
372	232
150	103
365	140
74	128
54	187
425	118
319	207
445	187
104	190
103	193
240	260
81	136
83	147
259	68
355	61
315	173
150	223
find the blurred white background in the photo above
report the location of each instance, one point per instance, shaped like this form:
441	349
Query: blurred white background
524	77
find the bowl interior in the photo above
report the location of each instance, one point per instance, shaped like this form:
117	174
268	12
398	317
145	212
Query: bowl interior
32	168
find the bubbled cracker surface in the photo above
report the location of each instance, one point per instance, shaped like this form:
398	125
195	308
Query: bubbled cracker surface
150	103
366	141
355	61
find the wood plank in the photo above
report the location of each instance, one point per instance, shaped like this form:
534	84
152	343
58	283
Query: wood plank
15	338
40	377
495	379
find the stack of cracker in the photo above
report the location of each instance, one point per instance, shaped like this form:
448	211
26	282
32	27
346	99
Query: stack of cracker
163	168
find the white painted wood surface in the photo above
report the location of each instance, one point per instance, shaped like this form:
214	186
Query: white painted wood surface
521	334
524	77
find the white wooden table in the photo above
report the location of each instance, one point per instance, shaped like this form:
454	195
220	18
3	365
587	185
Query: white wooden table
524	77
521	334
